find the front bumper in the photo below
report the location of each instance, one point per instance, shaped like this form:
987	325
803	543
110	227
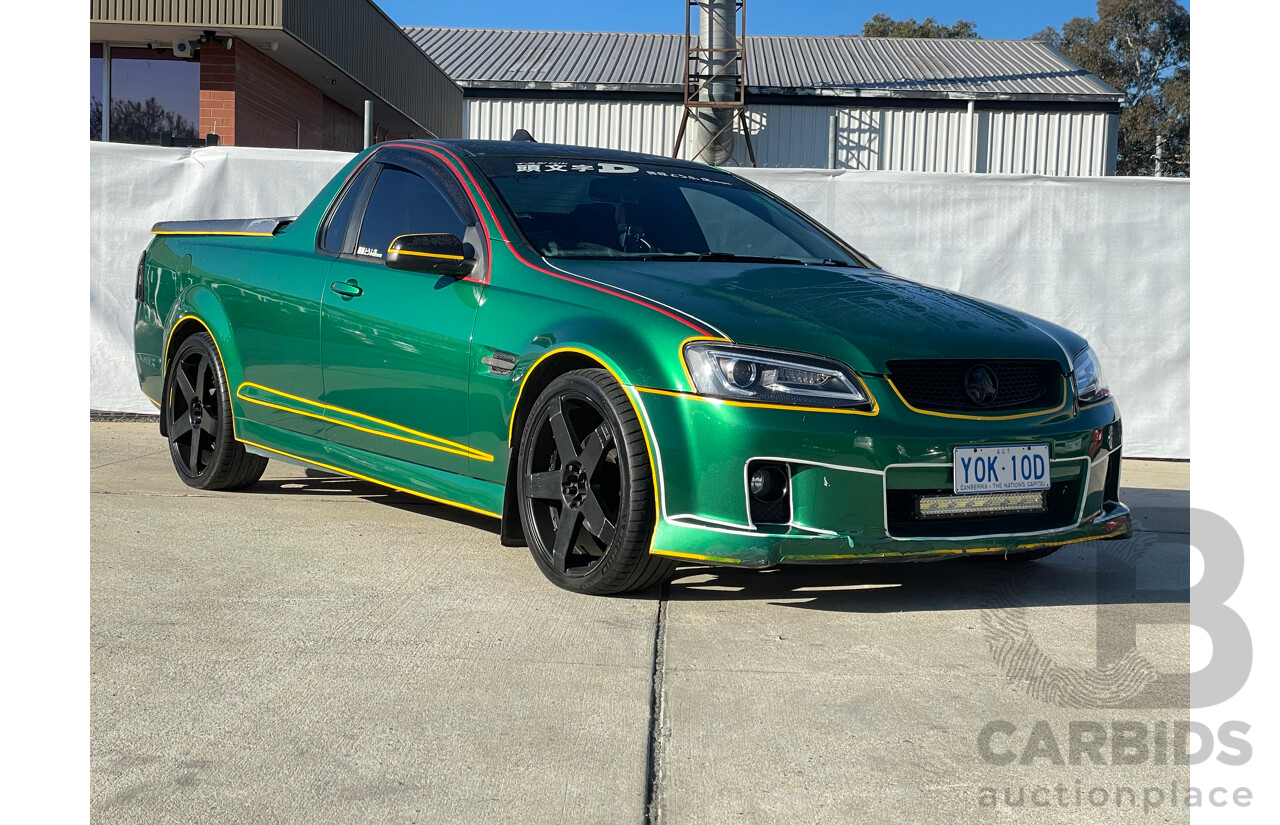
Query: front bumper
847	470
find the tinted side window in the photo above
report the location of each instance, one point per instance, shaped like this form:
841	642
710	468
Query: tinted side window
404	203
335	232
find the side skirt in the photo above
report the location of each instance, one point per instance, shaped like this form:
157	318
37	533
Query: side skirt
473	494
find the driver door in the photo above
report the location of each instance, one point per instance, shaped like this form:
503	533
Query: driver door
395	345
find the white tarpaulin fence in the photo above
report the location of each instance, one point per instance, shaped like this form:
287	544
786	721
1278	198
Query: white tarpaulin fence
1106	257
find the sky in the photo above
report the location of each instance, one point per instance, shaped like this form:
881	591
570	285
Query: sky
996	19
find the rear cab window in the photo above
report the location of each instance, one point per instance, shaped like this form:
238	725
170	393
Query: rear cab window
334	236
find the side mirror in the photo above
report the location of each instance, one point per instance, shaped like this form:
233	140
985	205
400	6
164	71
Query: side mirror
438	253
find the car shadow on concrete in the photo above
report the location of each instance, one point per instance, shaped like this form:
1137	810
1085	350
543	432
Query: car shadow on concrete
1150	568
320	483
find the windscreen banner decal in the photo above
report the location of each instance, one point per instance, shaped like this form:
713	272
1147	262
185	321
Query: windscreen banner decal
602	167
565	166
683	176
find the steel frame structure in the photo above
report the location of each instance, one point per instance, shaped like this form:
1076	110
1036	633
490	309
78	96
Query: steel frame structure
709	64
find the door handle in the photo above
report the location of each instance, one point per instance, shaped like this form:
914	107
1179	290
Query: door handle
348	289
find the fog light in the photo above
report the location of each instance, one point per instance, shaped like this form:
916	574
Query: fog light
981	504
768	484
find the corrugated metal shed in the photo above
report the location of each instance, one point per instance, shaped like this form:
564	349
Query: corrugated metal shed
802	66
866	138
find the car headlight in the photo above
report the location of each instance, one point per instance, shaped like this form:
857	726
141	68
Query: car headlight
772	376
1090	385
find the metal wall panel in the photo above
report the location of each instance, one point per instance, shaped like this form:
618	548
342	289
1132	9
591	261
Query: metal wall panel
887	140
188	12
614	124
859	138
914	140
928	140
1046	143
371	48
786	136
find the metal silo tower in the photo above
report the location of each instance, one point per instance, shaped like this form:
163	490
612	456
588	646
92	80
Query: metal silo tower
715	82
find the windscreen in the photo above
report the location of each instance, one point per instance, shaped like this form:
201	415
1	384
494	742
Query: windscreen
580	208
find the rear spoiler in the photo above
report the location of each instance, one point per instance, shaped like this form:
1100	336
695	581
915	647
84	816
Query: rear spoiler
259	227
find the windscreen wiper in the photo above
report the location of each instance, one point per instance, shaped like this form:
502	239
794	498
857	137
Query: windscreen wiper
713	257
729	256
758	259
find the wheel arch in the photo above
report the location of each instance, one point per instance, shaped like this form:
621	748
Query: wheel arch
547	368
193	313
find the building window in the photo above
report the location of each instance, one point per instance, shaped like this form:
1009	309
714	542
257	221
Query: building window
95	96
152	96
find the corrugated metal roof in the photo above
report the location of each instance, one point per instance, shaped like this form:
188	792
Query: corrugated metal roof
515	59
839	66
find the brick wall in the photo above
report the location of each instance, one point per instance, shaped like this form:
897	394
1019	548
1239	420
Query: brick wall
342	128
249	99
218	94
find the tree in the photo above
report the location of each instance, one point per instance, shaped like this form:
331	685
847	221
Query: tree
135	122
1143	49
882	25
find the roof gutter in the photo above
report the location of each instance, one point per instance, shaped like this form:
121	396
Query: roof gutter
475	88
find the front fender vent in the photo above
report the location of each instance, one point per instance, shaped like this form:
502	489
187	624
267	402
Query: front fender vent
500	363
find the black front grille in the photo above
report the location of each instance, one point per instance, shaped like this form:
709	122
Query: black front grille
1062	500
942	384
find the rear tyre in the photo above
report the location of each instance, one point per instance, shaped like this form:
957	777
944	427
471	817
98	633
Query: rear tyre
585	488
197	411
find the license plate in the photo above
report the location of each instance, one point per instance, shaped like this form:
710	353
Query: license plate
997	469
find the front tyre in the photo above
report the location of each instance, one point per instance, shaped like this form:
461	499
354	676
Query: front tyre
585	488
197	411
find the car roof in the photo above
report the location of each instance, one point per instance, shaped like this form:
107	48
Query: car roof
531	149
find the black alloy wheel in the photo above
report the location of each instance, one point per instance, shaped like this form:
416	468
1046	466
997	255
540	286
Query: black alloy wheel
197	414
586	489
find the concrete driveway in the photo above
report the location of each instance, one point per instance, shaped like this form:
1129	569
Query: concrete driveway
320	650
